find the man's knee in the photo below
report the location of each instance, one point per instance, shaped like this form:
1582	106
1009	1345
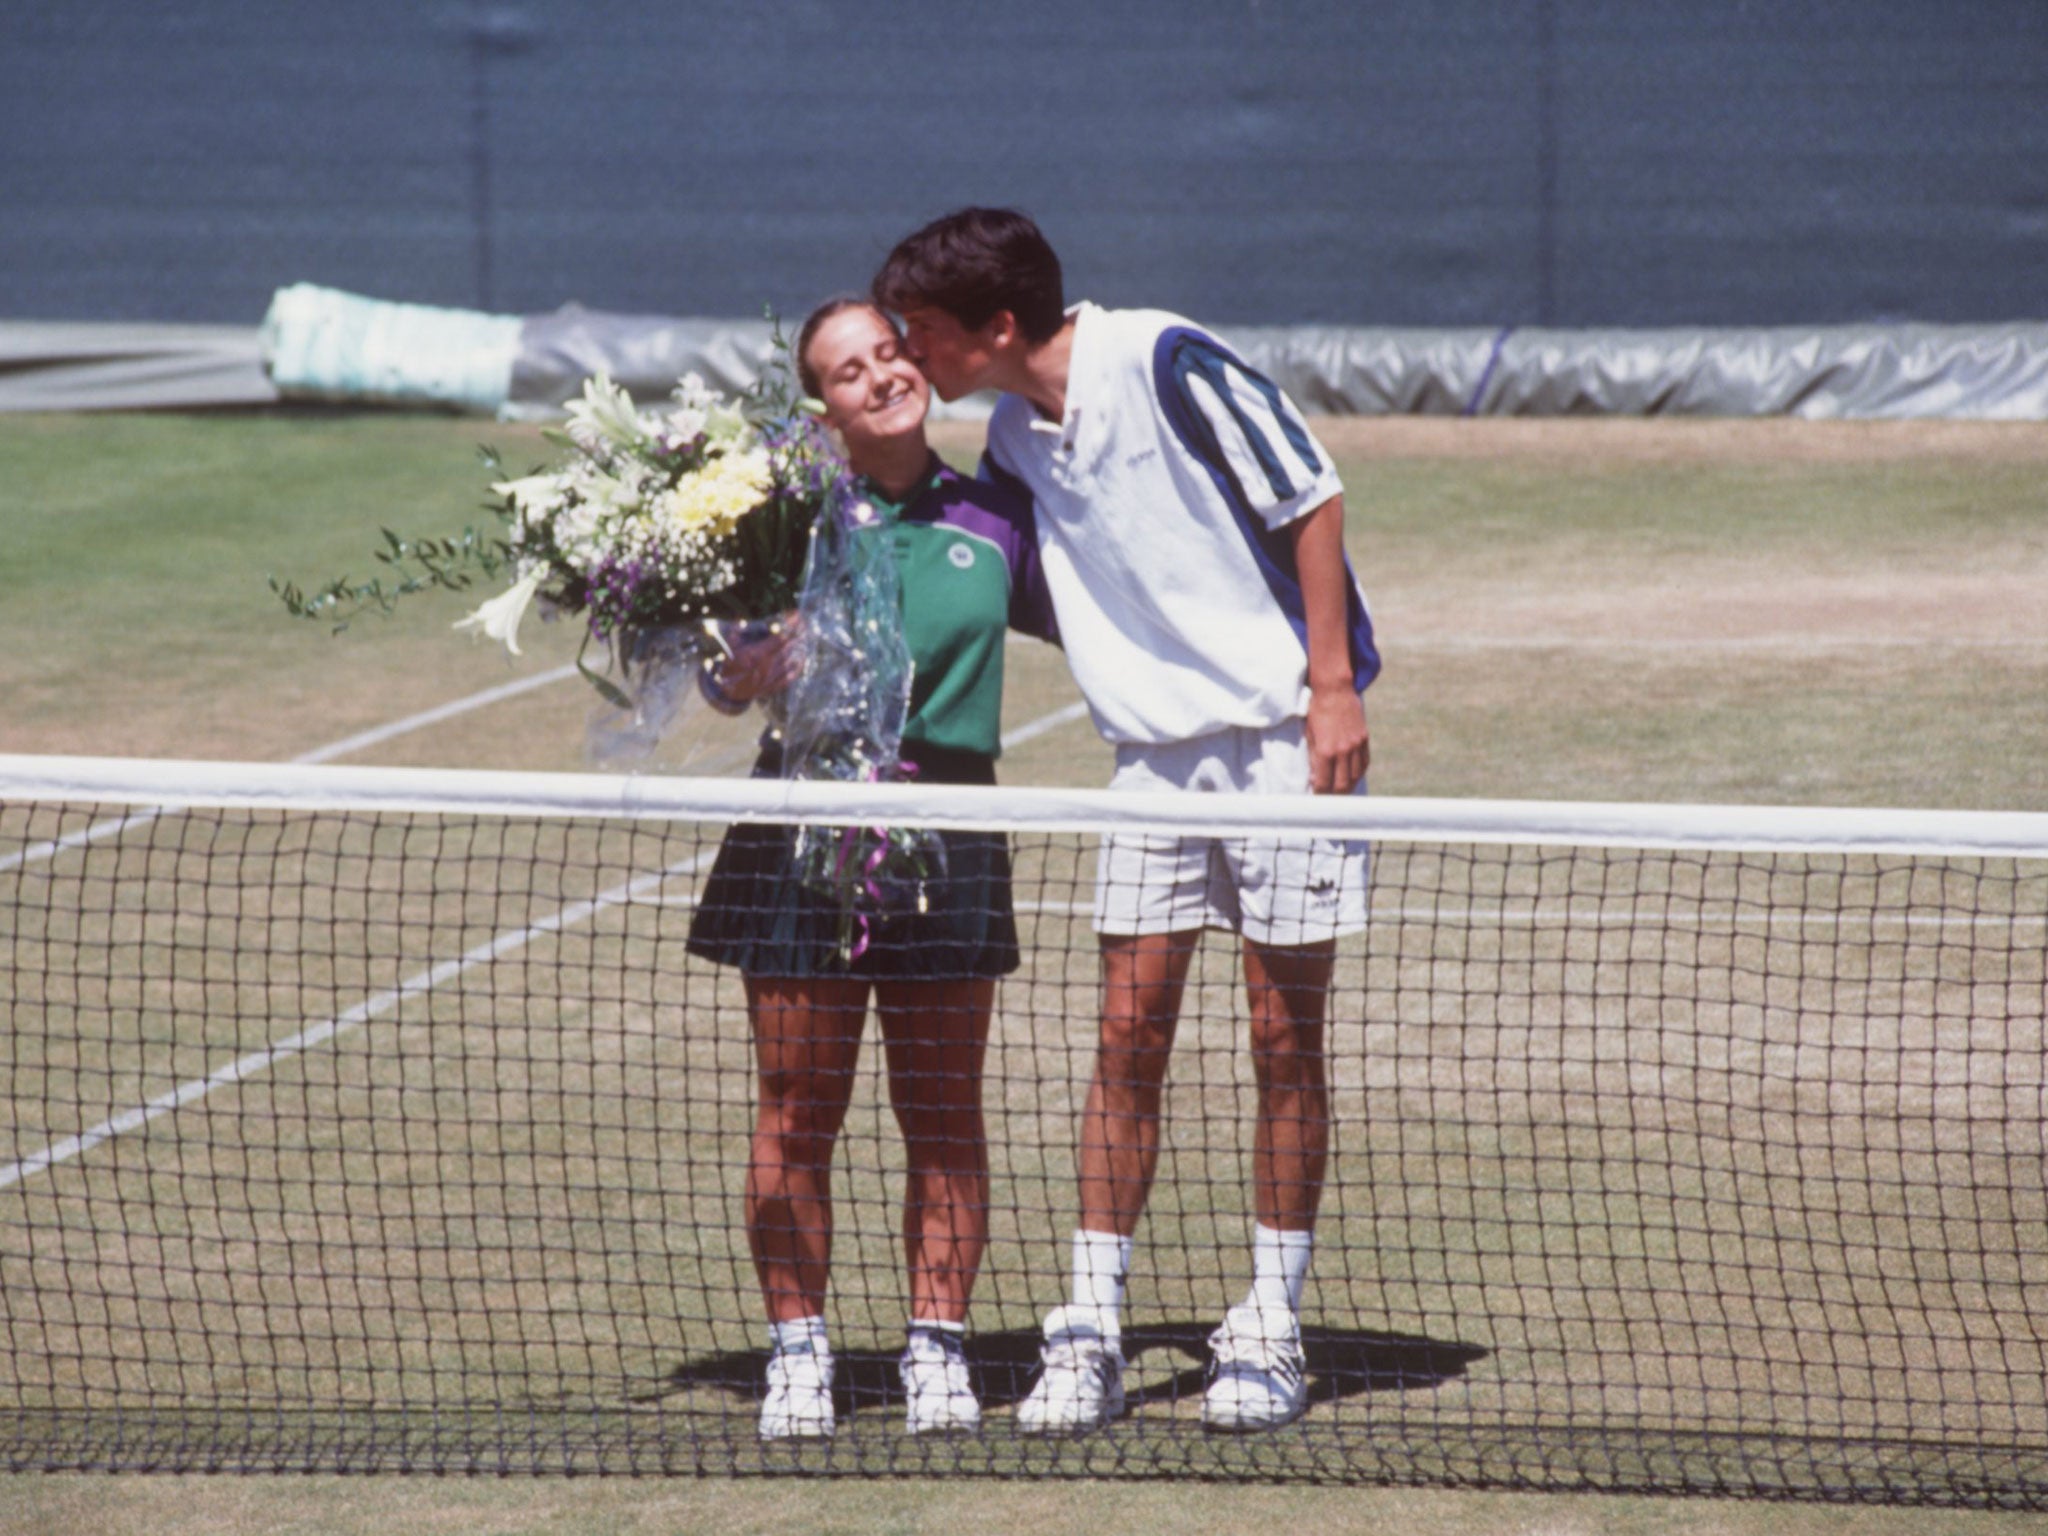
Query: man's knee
1287	1053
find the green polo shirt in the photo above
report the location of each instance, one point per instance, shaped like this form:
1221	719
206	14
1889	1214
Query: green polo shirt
966	556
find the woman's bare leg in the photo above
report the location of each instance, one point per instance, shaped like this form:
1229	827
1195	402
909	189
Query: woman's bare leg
806	1044
936	1037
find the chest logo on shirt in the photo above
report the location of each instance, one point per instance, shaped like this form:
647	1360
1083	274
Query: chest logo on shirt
962	555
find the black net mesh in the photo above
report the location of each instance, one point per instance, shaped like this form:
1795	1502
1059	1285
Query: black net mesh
352	1141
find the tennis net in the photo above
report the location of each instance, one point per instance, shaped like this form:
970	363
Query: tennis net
381	1120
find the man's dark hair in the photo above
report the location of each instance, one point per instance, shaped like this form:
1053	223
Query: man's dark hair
974	263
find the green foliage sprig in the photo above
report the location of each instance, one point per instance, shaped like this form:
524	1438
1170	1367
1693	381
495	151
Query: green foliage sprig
416	565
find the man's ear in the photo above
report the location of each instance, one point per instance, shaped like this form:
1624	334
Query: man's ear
1002	332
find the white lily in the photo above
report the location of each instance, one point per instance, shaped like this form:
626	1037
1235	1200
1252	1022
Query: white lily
685	426
532	494
534	497
611	493
726	426
604	413
499	618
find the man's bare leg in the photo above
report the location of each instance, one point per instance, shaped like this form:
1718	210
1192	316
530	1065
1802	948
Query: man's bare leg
1257	1369
1143	980
1288	991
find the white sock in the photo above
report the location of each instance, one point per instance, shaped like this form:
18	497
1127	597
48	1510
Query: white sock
800	1334
1102	1266
1279	1268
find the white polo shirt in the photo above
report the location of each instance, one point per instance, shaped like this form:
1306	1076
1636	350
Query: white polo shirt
1162	503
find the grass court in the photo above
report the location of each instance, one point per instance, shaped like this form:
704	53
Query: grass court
1746	612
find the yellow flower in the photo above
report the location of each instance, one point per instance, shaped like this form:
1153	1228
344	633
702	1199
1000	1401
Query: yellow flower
718	495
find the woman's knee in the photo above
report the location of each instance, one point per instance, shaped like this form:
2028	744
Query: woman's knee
800	1107
943	1134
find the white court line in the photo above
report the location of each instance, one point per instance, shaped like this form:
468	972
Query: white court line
1044	723
435	716
1776	645
319	1034
1532	916
99	831
383	1002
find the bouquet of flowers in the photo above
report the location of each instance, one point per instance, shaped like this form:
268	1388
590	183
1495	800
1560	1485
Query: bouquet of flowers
657	519
670	532
659	528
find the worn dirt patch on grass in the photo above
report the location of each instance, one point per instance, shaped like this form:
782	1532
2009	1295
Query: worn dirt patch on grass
1652	441
1728	440
1749	609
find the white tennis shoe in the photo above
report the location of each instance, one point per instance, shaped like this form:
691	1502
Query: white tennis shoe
1081	1380
1257	1376
799	1401
939	1396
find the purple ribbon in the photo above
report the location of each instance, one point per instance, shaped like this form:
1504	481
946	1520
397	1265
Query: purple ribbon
849	845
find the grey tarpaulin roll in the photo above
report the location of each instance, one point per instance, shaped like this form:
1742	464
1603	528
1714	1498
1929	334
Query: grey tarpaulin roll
1859	371
1997	372
323	344
1337	370
55	365
1851	371
645	353
1987	372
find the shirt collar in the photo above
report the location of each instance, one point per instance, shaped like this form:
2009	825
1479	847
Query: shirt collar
936	473
1079	356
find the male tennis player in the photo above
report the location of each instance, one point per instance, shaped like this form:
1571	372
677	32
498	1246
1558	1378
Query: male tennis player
1192	535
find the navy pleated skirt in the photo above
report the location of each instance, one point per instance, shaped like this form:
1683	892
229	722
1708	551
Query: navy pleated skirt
757	913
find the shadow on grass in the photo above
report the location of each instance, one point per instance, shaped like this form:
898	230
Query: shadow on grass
1342	1363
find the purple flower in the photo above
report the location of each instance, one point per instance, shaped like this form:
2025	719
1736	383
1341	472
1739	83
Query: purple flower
614	588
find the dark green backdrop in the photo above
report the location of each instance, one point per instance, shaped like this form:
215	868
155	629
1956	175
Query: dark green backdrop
1404	162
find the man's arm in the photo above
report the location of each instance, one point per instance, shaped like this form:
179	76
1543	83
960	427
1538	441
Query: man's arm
1338	746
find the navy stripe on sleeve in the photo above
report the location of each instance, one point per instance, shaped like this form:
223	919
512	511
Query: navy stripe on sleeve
1199	356
1179	353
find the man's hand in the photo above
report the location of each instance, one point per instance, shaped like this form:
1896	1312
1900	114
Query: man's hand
1339	747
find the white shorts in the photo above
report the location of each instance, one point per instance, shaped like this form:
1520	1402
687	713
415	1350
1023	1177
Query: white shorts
1281	891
